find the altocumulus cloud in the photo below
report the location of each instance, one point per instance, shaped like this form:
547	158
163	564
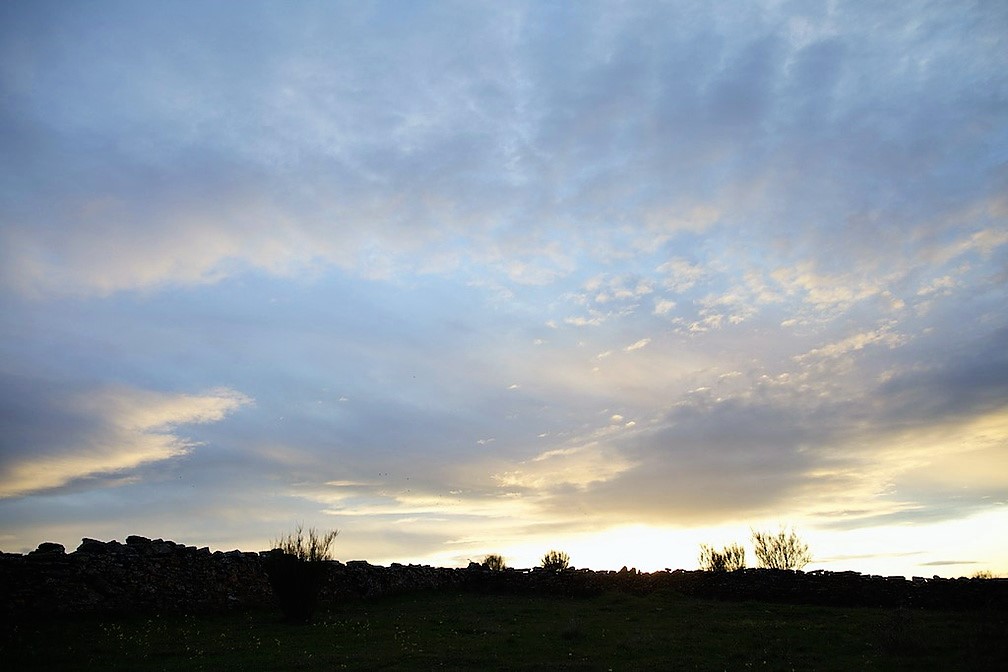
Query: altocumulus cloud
325	145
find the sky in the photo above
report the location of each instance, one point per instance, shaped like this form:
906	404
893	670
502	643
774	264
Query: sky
459	278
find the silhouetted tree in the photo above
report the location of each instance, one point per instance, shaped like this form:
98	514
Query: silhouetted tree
783	549
729	559
296	568
555	561
494	562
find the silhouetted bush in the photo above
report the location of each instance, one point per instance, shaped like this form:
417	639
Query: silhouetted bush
555	561
309	545
494	562
780	550
729	559
296	568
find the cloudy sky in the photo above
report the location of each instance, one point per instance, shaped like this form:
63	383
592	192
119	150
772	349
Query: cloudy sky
456	278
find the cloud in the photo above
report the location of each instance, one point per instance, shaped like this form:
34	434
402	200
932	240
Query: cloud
752	445
732	306
578	467
853	343
437	154
664	307
118	430
942	285
802	205
638	345
662	225
968	377
836	293
680	275
917	474
593	319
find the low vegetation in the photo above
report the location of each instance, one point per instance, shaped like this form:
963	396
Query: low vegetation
729	559
469	631
783	549
555	561
494	562
307	545
296	570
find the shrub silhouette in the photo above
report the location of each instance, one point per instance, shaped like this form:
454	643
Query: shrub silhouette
729	559
494	562
296	567
783	549
555	561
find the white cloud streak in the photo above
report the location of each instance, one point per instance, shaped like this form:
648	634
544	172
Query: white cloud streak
132	428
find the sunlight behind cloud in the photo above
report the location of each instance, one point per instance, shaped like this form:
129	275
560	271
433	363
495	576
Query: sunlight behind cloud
578	467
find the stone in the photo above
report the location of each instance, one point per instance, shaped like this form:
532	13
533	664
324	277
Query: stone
91	546
49	548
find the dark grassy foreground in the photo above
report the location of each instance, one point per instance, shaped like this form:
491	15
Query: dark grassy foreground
467	631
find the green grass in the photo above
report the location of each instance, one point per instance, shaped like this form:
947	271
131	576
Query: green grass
491	632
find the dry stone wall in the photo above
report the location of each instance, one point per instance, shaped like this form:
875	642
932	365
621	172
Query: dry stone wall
150	576
142	575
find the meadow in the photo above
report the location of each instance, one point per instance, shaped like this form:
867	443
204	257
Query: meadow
469	631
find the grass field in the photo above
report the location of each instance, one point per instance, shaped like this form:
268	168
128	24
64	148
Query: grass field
464	631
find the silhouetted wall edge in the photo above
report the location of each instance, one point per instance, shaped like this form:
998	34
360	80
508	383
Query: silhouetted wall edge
157	576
